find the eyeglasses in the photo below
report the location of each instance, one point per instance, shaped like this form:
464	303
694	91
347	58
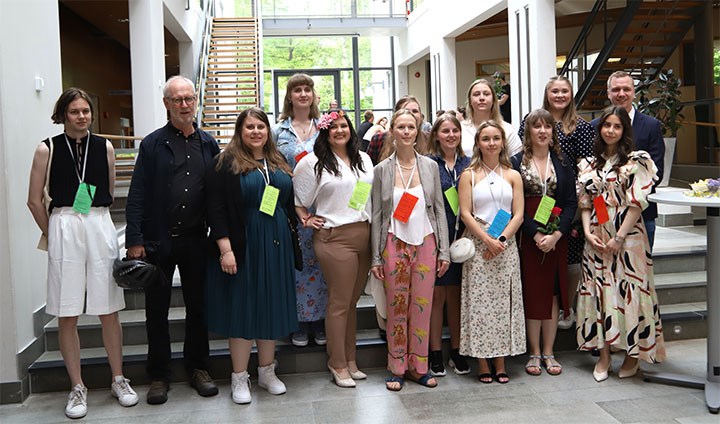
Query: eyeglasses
177	101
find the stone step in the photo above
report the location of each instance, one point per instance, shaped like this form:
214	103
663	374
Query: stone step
681	287
680	321
686	260
134	333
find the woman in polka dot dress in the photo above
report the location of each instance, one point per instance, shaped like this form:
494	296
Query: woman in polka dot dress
576	137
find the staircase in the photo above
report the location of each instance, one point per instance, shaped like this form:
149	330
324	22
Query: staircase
644	37
680	283
232	75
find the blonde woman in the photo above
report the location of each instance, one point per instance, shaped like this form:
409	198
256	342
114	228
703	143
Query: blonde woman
482	106
492	323
409	242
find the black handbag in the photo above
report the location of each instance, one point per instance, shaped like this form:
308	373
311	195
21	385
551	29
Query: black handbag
296	245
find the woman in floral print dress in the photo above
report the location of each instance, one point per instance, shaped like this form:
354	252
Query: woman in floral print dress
617	304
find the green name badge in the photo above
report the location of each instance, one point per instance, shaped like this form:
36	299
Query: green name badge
542	214
269	200
360	195
84	198
451	195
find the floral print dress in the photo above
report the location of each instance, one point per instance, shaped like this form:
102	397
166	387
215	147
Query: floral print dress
617	303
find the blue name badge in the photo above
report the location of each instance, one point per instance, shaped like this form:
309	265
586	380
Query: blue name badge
499	223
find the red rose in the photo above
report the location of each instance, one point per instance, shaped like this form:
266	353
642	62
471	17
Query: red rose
556	211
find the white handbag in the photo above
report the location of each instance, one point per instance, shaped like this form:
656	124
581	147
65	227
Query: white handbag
462	249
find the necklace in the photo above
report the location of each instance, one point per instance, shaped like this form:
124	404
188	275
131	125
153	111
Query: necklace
304	132
407	168
487	174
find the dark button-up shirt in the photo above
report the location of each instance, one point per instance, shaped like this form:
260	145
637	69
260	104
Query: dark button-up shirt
187	186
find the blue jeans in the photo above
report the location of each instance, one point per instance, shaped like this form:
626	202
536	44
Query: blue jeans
650	229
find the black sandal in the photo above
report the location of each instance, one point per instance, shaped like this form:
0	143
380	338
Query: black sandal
502	378
486	378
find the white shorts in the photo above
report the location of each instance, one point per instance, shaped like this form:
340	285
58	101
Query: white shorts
81	251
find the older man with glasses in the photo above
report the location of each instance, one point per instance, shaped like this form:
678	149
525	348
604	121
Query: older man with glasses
166	225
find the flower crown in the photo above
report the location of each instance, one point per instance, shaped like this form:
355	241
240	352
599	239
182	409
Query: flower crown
327	118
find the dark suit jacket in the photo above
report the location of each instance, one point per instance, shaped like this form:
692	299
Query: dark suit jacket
647	136
565	197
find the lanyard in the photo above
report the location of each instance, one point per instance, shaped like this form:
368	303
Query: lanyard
502	186
452	173
264	172
81	178
543	182
412	174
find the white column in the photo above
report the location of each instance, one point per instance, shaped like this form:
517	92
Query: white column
188	58
147	58
531	34
443	71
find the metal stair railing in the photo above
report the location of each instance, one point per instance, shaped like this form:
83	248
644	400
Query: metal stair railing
209	13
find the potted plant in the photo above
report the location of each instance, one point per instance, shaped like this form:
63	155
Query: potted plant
660	98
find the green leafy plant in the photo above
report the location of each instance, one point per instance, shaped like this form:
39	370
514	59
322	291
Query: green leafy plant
660	98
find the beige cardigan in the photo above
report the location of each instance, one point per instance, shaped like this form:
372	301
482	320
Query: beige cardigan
382	205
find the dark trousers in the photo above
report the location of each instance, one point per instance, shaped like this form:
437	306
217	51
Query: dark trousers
188	254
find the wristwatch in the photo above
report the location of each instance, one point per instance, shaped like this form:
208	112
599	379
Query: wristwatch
502	239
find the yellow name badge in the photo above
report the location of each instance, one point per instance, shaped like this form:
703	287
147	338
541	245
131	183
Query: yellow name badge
451	195
269	200
542	214
84	198
360	195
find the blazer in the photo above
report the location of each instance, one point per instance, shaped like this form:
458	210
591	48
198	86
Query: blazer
565	196
382	205
647	136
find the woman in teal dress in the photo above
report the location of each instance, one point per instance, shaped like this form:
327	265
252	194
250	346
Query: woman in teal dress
251	280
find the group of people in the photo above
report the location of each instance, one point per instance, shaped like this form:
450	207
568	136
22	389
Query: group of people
298	215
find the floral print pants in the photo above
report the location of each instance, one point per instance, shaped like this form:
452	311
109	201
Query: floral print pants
409	280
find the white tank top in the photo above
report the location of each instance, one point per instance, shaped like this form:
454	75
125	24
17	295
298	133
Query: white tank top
490	195
418	226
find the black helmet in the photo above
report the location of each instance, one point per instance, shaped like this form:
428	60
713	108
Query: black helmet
135	273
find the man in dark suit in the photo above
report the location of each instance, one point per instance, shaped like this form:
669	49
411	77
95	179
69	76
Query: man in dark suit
647	135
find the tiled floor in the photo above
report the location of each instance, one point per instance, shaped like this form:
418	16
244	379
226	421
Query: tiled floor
573	397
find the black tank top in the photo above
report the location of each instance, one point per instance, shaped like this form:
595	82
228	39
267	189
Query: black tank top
64	181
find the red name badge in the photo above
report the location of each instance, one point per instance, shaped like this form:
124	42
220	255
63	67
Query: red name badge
300	156
601	210
404	208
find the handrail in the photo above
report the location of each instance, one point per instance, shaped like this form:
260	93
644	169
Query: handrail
209	13
582	37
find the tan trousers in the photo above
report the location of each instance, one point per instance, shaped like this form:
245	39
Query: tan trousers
344	255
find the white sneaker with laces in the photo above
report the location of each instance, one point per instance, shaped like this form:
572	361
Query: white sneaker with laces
77	402
269	381
123	392
240	385
566	322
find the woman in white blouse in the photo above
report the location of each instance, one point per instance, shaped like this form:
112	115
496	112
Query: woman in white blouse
409	248
336	180
482	106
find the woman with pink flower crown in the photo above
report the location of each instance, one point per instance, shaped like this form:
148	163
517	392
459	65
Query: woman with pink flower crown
295	136
335	181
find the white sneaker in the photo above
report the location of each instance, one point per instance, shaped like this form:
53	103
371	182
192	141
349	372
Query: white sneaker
269	381
123	392
566	323
240	385
77	402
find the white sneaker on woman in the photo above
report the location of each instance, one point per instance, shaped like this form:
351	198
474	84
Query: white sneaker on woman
77	402
240	385
269	381
123	392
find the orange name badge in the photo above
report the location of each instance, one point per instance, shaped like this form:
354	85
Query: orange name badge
405	207
601	210
300	156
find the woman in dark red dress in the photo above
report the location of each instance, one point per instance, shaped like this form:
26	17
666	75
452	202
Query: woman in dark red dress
550	204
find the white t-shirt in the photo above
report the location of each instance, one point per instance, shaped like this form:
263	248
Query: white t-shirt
514	144
331	195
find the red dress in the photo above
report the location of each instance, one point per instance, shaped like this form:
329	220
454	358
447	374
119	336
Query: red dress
544	275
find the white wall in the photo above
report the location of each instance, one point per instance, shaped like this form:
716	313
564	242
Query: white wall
24	122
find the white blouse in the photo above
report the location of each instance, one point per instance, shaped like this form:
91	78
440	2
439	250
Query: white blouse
418	226
491	194
331	195
514	144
